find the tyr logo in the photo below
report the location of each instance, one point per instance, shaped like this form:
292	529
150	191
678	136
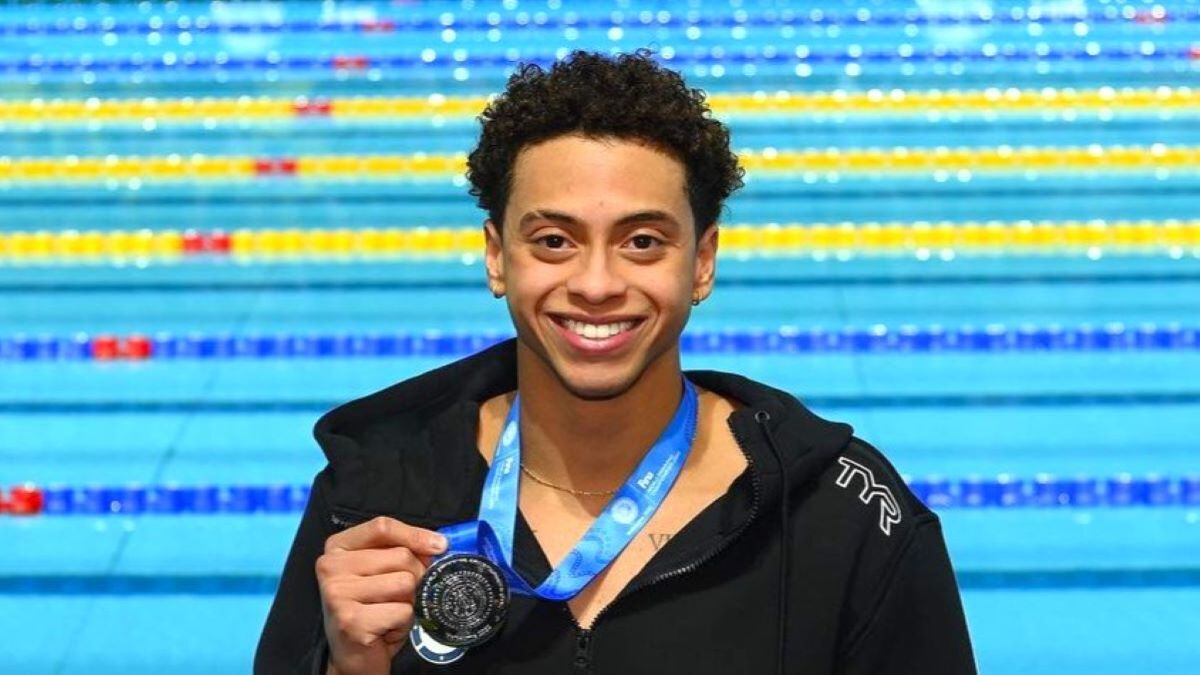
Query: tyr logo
889	510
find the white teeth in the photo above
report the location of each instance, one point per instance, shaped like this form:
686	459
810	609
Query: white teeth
594	331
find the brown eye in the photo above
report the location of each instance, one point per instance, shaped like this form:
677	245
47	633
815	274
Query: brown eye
553	241
644	242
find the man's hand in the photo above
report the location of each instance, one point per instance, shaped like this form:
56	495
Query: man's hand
367	577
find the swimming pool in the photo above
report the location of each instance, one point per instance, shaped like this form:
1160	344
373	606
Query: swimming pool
969	229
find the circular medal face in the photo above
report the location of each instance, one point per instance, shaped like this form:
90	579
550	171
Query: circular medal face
462	600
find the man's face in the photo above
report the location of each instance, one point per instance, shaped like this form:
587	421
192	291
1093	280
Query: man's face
599	260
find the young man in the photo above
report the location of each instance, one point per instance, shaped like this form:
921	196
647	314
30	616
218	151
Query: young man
704	522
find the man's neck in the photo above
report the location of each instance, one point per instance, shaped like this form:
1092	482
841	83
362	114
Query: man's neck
592	444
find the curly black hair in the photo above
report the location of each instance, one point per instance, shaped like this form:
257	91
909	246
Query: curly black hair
627	96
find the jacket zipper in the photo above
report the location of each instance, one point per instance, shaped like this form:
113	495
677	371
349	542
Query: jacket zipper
340	521
584	635
583	647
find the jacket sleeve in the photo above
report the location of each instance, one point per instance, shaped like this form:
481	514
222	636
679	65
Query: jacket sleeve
918	625
293	639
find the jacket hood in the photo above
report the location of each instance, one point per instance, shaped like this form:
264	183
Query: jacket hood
806	443
409	411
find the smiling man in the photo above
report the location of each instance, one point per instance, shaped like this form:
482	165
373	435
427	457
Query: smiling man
572	500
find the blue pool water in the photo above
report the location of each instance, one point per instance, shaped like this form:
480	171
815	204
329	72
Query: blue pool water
1072	589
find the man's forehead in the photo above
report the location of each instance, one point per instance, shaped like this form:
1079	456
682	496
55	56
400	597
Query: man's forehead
583	168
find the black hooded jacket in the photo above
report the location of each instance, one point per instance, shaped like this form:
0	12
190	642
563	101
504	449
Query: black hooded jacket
831	566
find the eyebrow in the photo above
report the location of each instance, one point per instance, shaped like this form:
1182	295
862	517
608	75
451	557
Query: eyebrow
650	215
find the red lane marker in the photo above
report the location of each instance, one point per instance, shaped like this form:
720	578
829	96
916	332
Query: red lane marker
26	500
193	242
1195	53
350	62
3	502
217	242
317	108
378	26
137	347
280	166
104	348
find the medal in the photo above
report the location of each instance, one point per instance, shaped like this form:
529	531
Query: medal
462	599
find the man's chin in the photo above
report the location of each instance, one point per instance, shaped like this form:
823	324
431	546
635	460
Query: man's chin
595	390
591	381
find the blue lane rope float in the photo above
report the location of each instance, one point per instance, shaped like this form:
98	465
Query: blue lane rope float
173	499
1003	491
449	58
785	340
959	400
817	18
124	585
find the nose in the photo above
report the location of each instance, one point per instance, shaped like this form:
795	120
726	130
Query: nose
596	277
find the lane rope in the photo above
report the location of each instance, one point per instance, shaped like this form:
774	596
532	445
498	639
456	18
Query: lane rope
260	245
992	338
872	102
204	23
457	59
942	163
1003	491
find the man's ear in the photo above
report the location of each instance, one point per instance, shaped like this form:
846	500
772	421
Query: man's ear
706	263
494	258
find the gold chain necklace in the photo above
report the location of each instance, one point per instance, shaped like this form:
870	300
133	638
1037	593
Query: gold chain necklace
561	488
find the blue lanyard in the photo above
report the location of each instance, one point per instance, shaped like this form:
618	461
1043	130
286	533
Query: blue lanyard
624	515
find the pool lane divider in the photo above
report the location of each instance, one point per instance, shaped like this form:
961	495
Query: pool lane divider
875	103
489	61
35	585
203	23
942	163
1003	491
781	341
253	245
942	401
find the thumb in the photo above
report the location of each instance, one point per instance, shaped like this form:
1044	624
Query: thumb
427	543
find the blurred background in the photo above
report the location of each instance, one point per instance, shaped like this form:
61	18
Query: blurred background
970	228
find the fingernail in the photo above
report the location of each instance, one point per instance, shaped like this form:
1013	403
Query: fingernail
438	543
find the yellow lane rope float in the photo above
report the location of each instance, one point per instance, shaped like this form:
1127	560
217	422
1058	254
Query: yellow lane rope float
1102	100
898	161
740	240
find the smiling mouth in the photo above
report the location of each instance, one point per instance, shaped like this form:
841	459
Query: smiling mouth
597	331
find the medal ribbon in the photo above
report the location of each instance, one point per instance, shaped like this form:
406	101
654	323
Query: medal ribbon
626	512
